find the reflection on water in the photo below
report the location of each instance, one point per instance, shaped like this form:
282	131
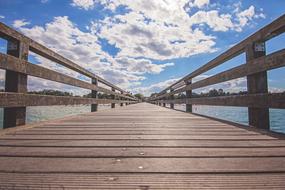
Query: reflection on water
236	114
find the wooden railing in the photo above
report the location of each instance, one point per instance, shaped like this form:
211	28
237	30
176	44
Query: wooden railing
15	98
257	99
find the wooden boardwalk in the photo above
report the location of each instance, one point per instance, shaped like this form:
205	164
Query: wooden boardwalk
141	146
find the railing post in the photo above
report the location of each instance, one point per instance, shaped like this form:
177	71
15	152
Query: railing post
113	97
172	98
121	104
188	95
16	82
94	94
257	83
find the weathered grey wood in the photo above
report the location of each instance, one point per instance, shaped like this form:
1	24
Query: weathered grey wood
12	64
188	95
172	97
273	29
113	97
9	34
47	181
94	107
15	100
15	82
264	63
143	165
257	83
164	152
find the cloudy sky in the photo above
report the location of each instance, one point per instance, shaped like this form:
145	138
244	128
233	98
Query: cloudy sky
142	45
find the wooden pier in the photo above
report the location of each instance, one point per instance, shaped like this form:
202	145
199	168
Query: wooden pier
141	146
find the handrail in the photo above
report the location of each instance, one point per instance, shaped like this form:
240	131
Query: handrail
255	69
9	33
15	99
272	30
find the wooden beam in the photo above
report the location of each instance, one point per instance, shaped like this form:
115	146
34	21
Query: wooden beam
273	29
8	33
16	65
16	82
188	95
94	94
257	83
264	63
113	97
171	97
15	100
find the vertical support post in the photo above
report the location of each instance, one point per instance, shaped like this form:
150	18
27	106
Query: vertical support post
188	95
122	104
257	83
16	82
94	94
172	98
113	97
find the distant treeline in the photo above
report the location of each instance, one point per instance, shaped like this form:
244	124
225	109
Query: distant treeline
211	93
61	93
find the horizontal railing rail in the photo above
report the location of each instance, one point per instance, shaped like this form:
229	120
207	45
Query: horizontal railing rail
257	99
15	98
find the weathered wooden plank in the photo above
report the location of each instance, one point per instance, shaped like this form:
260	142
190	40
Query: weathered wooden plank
144	143
141	165
16	82
276	100
16	65
57	181
257	83
132	137
9	33
265	63
121	161
139	152
23	100
85	131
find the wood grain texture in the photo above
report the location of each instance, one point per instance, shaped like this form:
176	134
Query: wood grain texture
11	63
8	99
141	146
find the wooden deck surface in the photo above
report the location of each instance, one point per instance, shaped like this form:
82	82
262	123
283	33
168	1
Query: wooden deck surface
141	146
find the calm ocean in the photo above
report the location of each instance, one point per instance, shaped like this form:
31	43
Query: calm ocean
236	114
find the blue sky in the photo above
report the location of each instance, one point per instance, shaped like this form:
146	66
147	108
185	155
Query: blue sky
142	45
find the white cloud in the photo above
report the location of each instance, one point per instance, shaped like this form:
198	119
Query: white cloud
245	16
141	66
157	87
166	29
62	36
83	4
199	3
212	18
20	23
149	30
2	17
